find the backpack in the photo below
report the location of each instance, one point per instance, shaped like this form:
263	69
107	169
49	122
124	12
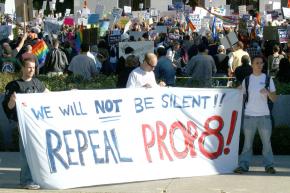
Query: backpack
267	86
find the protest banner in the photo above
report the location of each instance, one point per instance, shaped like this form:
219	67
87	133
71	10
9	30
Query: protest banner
5	31
92	137
140	48
93	18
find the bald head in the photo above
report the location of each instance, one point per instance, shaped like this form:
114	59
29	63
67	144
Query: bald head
150	62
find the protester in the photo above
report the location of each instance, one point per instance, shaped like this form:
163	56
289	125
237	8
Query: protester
201	68
82	64
244	70
274	60
27	84
56	60
8	63
235	57
131	63
257	116
143	76
164	71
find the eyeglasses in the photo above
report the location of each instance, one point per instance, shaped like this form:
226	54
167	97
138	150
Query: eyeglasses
152	66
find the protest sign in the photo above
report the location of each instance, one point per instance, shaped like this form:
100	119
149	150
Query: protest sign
104	26
93	18
286	12
92	137
67	12
5	31
44	5
242	10
136	34
283	34
127	9
100	9
229	40
52	26
114	39
69	21
196	20
140	48
161	29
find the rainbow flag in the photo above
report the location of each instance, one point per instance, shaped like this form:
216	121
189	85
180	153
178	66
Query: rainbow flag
190	25
40	49
78	40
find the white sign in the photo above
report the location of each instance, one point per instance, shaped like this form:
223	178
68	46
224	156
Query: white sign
277	5
136	34
286	12
127	9
100	10
242	10
10	7
44	5
229	40
92	137
52	26
140	48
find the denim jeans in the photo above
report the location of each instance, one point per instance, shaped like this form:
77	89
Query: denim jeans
264	126
25	174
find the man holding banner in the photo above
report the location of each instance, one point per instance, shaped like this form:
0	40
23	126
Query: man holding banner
27	84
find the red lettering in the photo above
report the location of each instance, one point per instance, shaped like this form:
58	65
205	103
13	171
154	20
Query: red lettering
150	143
191	137
178	125
160	140
215	132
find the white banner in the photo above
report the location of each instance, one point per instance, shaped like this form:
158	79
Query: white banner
92	137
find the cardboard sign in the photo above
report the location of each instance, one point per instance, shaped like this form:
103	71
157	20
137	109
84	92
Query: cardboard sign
174	133
69	21
93	18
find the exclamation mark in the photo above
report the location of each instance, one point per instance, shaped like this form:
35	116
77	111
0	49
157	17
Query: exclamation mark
231	131
223	96
215	100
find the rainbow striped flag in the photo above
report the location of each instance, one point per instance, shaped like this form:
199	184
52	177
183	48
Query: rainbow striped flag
40	49
78	40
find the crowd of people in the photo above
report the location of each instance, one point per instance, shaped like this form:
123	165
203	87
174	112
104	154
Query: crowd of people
176	53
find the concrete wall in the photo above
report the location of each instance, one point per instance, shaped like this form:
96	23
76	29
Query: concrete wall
281	114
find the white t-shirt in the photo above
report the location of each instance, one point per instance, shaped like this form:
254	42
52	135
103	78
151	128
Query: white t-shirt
138	78
257	103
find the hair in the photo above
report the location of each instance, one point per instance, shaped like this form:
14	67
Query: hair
55	42
257	56
85	47
26	60
161	51
276	48
240	44
245	60
132	61
202	47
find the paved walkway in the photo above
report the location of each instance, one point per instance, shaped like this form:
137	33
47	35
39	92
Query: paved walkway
255	181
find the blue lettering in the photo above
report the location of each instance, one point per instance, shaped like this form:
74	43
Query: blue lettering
68	149
108	148
107	106
148	102
165	103
185	101
94	147
138	105
205	99
53	151
44	111
81	147
115	141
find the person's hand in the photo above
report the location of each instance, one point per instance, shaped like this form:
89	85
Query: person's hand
147	85
12	101
162	84
264	91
